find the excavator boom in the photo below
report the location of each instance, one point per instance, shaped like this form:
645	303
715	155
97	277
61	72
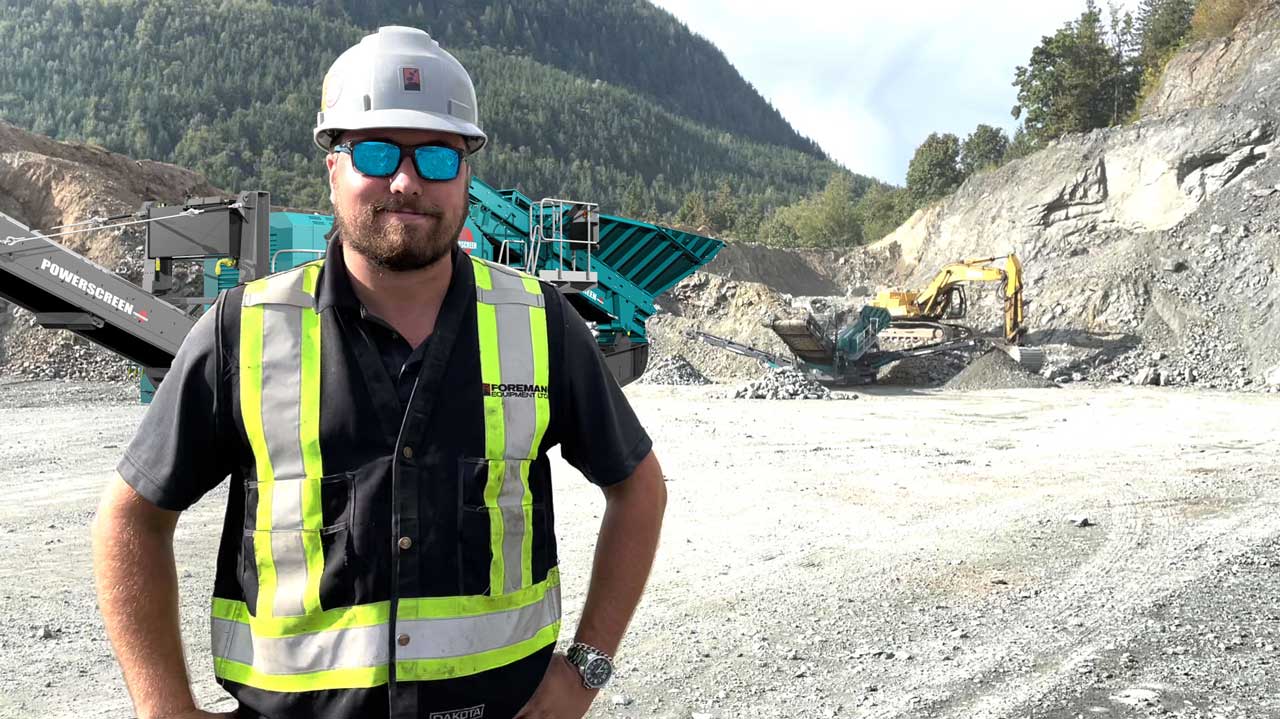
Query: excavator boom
944	297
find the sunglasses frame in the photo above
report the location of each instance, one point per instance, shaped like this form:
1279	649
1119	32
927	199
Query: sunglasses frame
349	149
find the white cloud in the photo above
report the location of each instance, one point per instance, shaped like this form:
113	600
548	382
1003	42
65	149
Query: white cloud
869	81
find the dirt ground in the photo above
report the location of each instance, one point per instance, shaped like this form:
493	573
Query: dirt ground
904	554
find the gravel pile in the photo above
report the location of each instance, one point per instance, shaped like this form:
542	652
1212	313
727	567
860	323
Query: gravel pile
27	350
674	370
784	383
996	370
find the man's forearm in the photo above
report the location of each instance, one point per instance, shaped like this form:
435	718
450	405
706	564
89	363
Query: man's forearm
138	596
624	555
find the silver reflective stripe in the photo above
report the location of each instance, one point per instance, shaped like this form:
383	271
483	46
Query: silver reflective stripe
281	422
352	648
462	636
358	647
515	353
509	297
279	293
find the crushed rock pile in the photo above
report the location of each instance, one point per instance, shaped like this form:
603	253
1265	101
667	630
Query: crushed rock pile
726	308
785	383
674	370
996	370
32	352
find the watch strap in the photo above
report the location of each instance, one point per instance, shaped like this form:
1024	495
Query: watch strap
580	654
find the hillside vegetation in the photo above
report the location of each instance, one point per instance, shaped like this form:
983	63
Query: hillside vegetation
611	101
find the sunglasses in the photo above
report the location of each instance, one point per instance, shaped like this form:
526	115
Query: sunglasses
379	158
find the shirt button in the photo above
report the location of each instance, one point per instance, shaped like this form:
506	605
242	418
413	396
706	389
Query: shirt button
407	452
405	542
403	640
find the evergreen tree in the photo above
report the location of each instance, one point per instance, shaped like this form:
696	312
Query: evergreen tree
882	210
1162	25
984	147
935	169
1021	145
1082	77
827	219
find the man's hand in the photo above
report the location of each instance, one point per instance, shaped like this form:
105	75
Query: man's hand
561	694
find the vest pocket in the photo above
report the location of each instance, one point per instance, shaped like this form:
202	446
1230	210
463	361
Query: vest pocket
501	530
304	552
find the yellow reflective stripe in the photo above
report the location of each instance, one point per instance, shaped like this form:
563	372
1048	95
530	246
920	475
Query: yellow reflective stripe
494	423
361	678
362	615
251	413
476	605
483	279
494	435
435	669
276	290
367	615
497	527
309	431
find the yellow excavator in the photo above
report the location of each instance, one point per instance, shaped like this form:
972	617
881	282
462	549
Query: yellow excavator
923	316
944	298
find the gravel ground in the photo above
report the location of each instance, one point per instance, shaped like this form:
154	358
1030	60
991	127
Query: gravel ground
820	559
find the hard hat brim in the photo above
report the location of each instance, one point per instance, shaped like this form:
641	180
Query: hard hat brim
325	135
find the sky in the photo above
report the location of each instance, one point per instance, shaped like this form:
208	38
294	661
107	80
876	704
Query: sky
870	81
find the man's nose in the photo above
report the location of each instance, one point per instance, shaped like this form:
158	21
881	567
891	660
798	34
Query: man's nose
406	180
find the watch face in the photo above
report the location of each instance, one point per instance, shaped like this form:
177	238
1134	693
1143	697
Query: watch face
597	673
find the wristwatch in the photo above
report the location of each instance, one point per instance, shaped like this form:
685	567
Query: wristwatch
594	665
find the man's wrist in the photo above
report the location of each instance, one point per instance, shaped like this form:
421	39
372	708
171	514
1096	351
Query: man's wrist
593	665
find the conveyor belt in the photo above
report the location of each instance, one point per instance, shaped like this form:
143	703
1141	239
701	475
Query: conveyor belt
65	290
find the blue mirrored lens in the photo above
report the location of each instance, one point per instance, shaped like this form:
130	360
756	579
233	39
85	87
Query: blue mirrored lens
376	159
437	163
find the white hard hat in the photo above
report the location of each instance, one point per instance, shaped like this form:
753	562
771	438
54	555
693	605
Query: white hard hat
397	78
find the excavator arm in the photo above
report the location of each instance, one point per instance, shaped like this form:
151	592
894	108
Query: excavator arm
944	296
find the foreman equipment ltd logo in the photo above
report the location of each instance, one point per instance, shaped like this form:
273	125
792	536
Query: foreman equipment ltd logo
535	391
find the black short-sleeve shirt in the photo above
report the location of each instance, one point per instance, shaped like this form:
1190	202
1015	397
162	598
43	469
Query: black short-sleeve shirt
187	442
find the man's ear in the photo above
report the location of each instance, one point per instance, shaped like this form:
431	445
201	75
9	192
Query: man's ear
331	165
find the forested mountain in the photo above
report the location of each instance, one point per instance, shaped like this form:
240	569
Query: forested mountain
624	42
608	100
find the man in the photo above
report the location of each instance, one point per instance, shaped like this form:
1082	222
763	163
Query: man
384	416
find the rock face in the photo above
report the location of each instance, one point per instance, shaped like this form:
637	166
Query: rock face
1227	71
45	183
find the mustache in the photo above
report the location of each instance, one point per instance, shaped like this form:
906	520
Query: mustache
402	205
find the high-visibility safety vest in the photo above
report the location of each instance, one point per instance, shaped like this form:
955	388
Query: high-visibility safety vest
287	636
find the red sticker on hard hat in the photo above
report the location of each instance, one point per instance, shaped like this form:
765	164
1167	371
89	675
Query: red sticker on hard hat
411	79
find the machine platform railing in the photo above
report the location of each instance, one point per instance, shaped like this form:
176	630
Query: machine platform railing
569	249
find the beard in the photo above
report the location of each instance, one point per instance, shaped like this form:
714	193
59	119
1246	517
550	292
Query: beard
397	246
